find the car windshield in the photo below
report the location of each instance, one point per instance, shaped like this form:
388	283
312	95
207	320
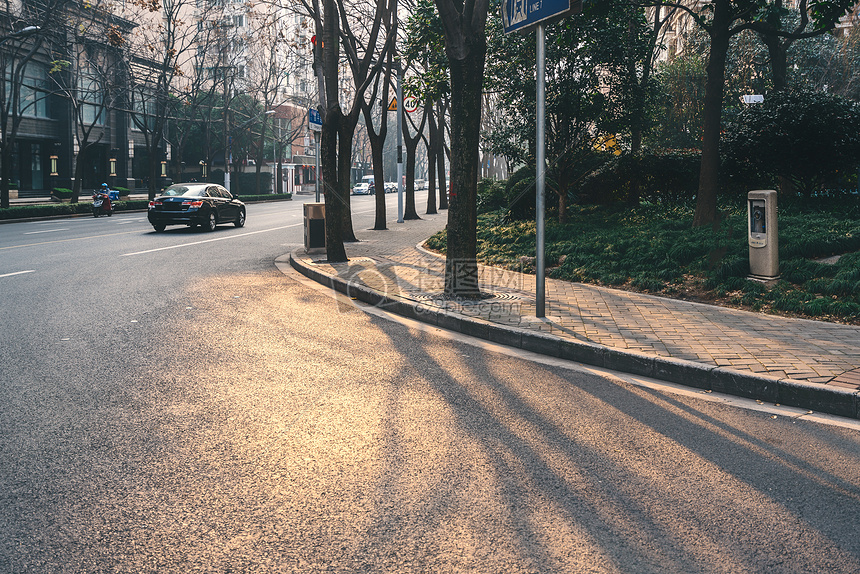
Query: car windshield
194	191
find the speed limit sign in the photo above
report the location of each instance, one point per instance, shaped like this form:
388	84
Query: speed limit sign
410	103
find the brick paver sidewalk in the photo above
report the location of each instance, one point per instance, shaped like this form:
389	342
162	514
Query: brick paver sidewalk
391	262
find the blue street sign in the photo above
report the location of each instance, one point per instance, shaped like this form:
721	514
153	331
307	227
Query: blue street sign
314	120
523	15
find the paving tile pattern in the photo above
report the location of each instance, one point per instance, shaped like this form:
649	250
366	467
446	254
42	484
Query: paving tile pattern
392	263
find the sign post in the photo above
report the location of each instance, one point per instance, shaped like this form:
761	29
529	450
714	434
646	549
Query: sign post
399	142
540	168
315	125
522	16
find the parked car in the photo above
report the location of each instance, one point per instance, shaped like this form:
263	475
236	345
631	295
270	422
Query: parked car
390	187
195	204
361	189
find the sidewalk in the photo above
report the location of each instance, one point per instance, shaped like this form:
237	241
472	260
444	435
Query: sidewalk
808	364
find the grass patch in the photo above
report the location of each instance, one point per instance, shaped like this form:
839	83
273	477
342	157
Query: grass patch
654	248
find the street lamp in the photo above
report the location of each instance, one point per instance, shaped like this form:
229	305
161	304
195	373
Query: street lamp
22	33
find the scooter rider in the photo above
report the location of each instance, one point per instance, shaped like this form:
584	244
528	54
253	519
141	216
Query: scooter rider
112	194
102	201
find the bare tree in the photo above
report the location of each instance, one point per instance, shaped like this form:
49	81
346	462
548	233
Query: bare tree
89	69
377	138
158	50
334	26
411	142
266	39
23	32
198	92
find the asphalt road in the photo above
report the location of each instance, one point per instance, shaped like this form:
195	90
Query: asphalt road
175	403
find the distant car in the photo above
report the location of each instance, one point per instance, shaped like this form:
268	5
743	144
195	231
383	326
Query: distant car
420	184
361	189
195	204
390	187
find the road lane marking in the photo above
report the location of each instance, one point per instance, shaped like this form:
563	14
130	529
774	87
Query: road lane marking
46	231
18	273
130	232
66	240
210	240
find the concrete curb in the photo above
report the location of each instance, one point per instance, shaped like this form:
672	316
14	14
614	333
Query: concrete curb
789	392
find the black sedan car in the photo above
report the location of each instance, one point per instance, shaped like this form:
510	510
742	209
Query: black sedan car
193	204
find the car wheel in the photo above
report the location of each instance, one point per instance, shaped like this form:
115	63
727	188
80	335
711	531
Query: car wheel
240	219
159	227
212	222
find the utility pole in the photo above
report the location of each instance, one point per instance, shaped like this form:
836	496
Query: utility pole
399	73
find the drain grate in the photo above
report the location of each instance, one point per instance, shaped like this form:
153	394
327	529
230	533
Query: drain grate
353	260
491	296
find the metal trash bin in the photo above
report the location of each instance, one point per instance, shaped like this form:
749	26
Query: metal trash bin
314	225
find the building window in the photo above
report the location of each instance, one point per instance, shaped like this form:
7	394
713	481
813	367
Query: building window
90	96
34	91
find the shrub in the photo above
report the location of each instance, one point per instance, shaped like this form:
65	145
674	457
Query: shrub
438	242
520	194
491	195
808	138
668	177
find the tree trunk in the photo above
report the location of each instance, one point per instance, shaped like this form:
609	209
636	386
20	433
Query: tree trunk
376	145
634	190
778	52
461	266
709	171
431	160
411	145
257	173
154	173
326	63
6	164
562	207
77	184
344	170
440	157
335	250
411	151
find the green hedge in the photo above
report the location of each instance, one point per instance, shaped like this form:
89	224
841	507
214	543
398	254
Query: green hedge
668	176
59	209
248	181
266	197
56	209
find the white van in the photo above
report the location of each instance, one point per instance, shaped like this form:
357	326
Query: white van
365	186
